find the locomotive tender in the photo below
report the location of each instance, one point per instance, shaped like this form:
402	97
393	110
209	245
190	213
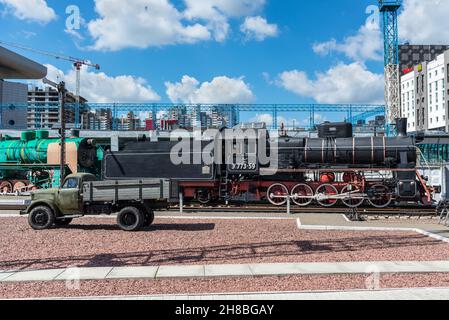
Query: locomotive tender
335	168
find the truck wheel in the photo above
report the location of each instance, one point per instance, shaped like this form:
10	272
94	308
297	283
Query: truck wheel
149	218
41	218
130	219
63	222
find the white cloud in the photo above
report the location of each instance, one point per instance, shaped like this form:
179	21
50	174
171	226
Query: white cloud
219	90
155	23
424	22
101	88
366	44
342	83
141	24
32	10
258	28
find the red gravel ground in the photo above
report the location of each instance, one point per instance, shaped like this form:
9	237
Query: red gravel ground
228	285
98	242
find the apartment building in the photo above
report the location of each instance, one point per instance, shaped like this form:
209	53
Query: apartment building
424	95
43	108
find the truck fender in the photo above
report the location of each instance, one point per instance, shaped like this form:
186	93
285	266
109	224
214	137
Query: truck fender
43	203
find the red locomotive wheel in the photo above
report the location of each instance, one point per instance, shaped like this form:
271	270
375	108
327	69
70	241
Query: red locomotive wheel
302	195
204	196
324	195
277	194
19	186
6	187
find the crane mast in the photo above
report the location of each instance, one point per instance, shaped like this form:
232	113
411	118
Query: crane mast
389	11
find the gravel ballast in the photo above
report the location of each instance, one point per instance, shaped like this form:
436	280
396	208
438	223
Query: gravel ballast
208	286
99	243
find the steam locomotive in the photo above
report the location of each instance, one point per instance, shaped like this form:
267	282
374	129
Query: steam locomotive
334	169
32	161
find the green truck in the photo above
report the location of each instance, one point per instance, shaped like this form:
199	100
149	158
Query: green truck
82	195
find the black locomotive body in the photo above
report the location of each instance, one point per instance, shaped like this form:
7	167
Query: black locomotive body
335	168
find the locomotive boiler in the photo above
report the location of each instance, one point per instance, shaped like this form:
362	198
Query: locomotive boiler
33	160
335	168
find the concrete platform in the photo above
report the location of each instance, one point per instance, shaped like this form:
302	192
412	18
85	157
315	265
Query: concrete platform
338	220
234	270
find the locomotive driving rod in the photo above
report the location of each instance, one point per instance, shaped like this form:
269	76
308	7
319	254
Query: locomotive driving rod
341	196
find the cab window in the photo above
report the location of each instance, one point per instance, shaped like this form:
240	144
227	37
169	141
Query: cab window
71	183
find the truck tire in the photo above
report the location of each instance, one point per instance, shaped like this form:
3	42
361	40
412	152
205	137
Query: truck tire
149	218
63	222
130	219
41	218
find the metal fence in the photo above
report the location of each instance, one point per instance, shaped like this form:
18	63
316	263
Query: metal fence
129	116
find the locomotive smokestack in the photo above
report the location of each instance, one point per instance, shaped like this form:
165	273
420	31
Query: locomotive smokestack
401	127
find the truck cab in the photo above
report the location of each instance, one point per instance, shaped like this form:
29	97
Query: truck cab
58	205
69	197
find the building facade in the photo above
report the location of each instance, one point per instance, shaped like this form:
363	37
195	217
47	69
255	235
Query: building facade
412	55
408	103
436	94
424	95
43	108
13	102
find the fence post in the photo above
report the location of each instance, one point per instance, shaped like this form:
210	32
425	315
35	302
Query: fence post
181	203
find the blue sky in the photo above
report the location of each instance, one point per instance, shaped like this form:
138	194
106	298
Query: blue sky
322	51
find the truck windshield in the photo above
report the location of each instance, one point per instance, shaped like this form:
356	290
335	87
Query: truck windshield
71	183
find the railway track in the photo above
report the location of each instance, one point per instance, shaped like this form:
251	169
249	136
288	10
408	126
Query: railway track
405	211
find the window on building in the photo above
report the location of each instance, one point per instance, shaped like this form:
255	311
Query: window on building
436	97
430	88
438	119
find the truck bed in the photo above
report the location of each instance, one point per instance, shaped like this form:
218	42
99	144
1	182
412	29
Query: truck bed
126	190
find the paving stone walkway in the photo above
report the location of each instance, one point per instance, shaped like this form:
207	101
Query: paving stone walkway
230	270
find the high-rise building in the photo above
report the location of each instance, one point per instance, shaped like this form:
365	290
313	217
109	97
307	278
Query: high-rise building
43	108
